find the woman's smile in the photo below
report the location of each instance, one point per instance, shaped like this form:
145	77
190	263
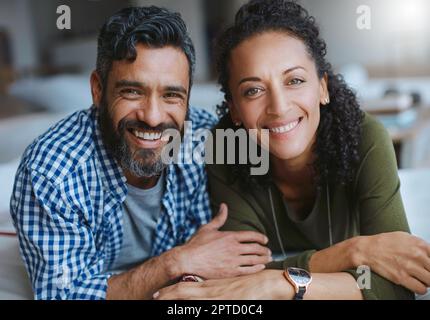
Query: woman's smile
283	130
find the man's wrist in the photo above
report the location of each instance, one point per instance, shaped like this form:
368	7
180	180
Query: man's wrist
174	262
278	287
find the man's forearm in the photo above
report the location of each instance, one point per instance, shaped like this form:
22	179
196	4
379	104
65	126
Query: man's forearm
141	282
328	286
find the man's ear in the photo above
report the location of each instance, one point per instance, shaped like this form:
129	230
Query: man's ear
96	88
233	113
324	93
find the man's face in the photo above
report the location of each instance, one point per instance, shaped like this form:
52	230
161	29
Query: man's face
142	99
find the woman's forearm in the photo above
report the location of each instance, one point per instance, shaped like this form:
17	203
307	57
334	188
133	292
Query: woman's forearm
342	256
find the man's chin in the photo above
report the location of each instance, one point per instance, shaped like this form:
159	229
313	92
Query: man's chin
144	168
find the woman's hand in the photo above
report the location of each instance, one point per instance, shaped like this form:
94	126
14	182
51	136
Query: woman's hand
267	284
399	257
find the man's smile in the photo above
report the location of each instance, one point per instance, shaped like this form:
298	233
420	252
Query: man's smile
146	138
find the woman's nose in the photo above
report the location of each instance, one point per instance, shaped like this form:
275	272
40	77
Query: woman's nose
279	102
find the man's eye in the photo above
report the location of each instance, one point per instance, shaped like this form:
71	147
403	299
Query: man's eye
172	95
295	81
130	93
252	92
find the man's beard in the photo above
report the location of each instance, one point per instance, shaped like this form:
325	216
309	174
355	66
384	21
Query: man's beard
142	163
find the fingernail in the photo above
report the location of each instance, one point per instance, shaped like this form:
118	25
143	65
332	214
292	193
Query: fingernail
155	295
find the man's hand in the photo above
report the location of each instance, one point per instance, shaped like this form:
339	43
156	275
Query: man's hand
214	254
399	257
268	284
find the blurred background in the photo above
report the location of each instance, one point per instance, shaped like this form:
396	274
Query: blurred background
44	75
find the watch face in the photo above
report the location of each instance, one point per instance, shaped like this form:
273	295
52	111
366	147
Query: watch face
299	276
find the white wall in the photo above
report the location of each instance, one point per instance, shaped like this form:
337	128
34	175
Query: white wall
15	16
399	35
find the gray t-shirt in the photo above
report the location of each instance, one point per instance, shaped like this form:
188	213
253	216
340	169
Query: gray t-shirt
141	210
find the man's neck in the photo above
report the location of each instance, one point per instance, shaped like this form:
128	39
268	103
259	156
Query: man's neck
141	183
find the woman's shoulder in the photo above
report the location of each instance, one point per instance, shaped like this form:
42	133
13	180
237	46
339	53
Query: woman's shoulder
377	158
373	135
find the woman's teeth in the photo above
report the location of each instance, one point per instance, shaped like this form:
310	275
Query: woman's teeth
147	135
285	128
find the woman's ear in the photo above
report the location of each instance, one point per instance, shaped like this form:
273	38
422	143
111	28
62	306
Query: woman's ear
324	93
233	113
96	88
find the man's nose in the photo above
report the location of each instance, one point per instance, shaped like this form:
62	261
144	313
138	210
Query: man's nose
151	112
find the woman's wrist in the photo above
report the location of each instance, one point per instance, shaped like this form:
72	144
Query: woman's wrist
359	250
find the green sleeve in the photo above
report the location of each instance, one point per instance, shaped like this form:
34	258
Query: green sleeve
377	184
241	214
377	187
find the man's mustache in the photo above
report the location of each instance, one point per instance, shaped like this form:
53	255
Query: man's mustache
125	124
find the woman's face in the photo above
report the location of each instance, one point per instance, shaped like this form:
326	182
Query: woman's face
275	86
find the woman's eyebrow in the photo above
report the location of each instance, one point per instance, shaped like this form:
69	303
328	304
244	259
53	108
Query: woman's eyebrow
292	69
254	79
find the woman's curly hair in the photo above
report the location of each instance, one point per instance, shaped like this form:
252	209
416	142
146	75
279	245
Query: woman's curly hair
339	131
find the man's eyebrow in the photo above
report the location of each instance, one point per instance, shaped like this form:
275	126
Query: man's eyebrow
128	83
253	79
180	89
137	84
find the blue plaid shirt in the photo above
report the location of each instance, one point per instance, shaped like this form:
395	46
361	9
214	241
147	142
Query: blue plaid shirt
67	207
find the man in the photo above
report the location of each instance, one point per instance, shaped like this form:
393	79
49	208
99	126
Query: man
98	213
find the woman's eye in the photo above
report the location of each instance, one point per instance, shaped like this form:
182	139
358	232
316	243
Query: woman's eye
295	81
252	92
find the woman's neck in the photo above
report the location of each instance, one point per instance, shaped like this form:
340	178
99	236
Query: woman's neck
295	177
297	171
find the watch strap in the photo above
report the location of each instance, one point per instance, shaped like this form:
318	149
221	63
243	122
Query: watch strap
299	295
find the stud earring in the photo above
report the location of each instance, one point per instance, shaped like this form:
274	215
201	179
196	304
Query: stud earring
327	100
237	123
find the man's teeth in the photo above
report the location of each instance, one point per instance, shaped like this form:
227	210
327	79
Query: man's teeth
147	135
285	128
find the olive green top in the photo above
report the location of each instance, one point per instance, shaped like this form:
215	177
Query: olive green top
370	204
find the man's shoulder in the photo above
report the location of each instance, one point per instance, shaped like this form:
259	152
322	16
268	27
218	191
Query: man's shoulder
63	147
201	119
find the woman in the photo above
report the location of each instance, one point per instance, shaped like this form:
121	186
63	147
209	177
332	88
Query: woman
332	191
